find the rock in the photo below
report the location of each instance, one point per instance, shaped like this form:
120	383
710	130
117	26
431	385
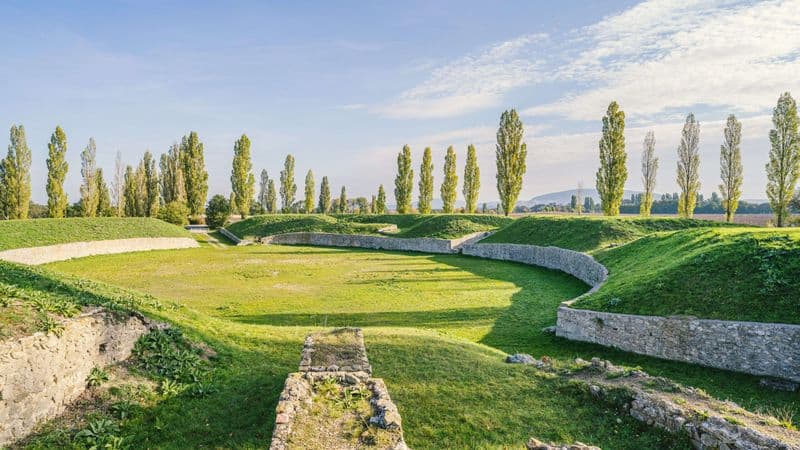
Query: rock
521	358
535	444
282	418
549	330
779	385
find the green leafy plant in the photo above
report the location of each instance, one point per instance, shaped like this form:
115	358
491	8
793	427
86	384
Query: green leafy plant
96	377
100	434
124	410
170	388
50	325
328	388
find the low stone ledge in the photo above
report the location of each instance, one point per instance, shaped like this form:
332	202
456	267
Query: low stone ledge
41	374
235	239
62	252
425	245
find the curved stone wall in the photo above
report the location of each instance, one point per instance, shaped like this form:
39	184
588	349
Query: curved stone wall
426	245
41	374
62	252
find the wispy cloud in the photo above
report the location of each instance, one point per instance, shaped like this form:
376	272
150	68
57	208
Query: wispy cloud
470	83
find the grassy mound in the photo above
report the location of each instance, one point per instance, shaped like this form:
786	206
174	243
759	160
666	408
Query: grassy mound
588	234
41	232
267	225
454	226
750	274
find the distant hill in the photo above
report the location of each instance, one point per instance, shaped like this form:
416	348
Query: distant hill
564	197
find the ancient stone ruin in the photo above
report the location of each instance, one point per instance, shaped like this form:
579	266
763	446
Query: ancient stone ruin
333	402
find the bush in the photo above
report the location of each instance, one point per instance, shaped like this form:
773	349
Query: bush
175	213
217	211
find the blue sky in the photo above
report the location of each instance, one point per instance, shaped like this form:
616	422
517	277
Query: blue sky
344	85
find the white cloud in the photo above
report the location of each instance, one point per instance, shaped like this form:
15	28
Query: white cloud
470	83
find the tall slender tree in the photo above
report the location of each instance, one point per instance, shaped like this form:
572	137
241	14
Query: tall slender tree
373	203
730	161
195	175
56	173
472	180
426	182
309	203
783	168
262	189
90	195
689	167
103	196
649	169
612	174
243	181
152	194
343	201
4	192
132	202
288	186
325	196
511	154
118	186
16	172
272	197
450	182
380	202
404	181
173	186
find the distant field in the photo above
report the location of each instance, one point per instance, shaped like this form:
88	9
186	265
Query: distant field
41	232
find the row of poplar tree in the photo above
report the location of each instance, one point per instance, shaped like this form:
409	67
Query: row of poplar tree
783	168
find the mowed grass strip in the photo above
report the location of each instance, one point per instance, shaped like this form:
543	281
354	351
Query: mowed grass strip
436	329
42	232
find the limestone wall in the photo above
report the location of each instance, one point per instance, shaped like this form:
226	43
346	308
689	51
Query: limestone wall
426	245
41	374
235	239
61	252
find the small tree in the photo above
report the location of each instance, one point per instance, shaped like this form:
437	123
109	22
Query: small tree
649	169
450	183
784	157
288	186
217	211
362	205
612	174
343	201
15	177
689	167
510	156
194	173
131	193
272	197
404	181
472	180
243	182
730	159
426	182
380	202
174	212
56	173
578	208
325	196
309	203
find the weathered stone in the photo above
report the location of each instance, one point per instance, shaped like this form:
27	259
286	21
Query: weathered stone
535	444
61	252
520	358
779	385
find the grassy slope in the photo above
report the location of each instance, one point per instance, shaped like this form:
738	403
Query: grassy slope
40	232
436	328
445	226
589	233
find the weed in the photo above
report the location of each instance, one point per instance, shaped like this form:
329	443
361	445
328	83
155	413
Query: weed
96	377
50	325
100	434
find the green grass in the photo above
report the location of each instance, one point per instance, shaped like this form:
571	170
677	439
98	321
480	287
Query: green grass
436	329
41	232
444	226
750	274
589	233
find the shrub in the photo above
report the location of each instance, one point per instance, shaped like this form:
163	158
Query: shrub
175	213
217	211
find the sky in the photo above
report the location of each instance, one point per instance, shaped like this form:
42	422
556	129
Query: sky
344	85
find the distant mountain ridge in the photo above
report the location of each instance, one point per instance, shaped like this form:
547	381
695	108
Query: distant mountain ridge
564	197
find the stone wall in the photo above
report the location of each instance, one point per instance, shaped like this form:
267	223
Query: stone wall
235	239
577	264
757	348
41	374
426	245
61	252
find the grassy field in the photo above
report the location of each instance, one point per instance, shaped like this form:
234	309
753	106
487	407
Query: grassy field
39	232
436	329
444	226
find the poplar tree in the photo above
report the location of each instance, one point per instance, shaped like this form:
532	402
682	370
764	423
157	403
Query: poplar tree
4	193
343	201
131	193
380	202
56	173
288	186
103	196
649	169
152	196
194	173
511	153
173	186
118	186
90	195
262	189
450	182
689	167
784	157
426	182
309	203
243	182
325	196
372	204
272	197
16	176
612	174
730	161
472	180
404	181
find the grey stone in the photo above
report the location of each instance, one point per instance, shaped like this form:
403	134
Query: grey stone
61	252
520	358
